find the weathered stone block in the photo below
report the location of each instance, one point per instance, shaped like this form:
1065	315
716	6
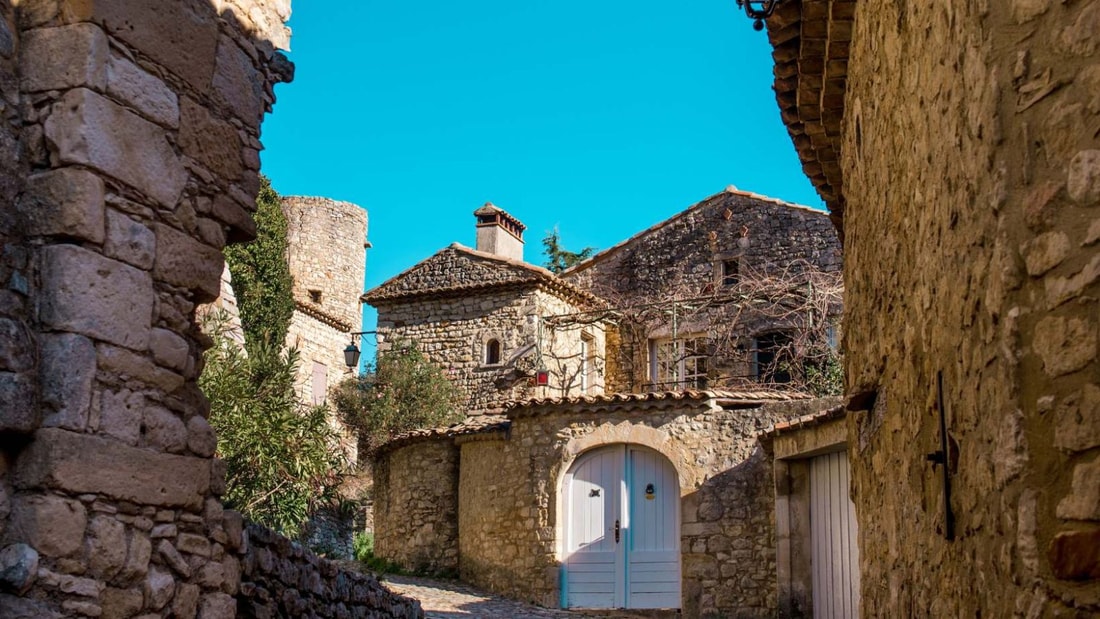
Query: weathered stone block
237	83
12	607
87	129
120	415
209	140
1045	252
85	293
106	545
164	430
186	602
131	366
193	544
184	261
182	36
159	588
242	228
68	202
1076	422
18	409
172	557
67	372
200	437
169	349
129	241
217	606
81	463
1083	184
1080	37
1075	555
1064	344
64	57
52	525
146	93
1083	501
18	567
17	351
121	602
137	559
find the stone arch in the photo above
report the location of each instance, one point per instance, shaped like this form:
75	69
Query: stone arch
610	433
636	434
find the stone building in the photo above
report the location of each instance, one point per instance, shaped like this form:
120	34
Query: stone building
326	244
481	315
128	159
557	499
958	148
725	294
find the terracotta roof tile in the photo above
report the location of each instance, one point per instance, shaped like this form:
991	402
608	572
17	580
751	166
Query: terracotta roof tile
599	402
805	421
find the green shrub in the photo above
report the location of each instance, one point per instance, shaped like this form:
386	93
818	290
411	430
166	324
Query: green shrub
403	391
283	458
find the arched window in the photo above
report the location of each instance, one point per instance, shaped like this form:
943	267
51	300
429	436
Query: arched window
492	352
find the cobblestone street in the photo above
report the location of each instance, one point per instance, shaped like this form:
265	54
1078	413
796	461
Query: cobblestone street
446	599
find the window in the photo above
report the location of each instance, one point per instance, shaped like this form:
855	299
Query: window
678	364
492	352
319	386
773	358
587	352
731	270
315	296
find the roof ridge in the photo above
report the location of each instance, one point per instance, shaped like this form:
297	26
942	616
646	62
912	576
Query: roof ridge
729	190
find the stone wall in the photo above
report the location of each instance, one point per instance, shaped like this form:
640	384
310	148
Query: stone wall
282	579
971	159
682	258
326	250
416	501
137	158
508	525
453	330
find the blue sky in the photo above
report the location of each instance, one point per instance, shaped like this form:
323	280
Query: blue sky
600	117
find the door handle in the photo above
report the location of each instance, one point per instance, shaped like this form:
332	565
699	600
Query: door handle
617	527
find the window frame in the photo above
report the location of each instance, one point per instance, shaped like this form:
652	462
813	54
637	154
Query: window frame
679	363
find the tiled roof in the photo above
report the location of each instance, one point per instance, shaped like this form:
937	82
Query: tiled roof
728	191
657	398
805	421
810	41
471	425
459	270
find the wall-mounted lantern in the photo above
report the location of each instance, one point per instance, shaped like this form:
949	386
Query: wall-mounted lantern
758	11
542	377
351	353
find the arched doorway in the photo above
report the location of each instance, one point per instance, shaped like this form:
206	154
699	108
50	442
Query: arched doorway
621	510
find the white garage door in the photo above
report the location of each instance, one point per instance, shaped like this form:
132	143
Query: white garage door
835	555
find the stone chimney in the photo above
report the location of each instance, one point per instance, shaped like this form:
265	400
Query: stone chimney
499	233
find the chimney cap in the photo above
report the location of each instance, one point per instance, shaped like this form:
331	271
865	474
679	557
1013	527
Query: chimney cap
489	214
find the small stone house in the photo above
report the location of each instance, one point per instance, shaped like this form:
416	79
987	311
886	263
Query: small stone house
736	290
481	314
648	500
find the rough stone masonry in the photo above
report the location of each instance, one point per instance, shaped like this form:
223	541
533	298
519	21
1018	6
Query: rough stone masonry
129	148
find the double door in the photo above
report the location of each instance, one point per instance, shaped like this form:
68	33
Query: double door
622	534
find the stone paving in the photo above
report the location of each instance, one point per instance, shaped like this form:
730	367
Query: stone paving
450	600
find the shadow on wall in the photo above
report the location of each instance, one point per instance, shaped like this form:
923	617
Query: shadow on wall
727	540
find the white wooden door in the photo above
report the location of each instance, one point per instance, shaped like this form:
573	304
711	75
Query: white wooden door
835	552
622	536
